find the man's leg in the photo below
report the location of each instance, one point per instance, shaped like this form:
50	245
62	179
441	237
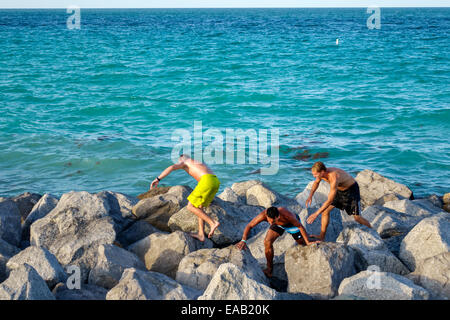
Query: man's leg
204	217
271	236
362	221
324	223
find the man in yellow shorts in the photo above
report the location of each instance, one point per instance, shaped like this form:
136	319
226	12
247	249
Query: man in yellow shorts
201	196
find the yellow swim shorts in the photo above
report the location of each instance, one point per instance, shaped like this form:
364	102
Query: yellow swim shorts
205	191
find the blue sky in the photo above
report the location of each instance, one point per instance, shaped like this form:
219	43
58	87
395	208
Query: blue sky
217	3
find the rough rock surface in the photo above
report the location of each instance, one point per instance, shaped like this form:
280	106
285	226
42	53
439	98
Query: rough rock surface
148	285
45	204
111	263
24	283
375	285
374	186
428	238
318	269
371	249
197	269
163	252
158	209
43	261
10	229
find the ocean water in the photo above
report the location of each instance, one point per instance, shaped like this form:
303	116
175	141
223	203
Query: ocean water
96	108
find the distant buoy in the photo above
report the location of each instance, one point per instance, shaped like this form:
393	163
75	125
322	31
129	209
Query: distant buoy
337	42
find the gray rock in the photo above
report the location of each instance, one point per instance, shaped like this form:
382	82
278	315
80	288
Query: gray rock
43	261
233	219
388	222
388	197
158	209
137	231
413	208
25	202
148	285
318	269
75	228
120	208
24	283
111	263
375	285
240	188
229	195
371	249
197	269
335	225
6	252
428	238
232	283
261	195
86	292
319	197
374	186
10	222
45	204
433	274
280	246
163	252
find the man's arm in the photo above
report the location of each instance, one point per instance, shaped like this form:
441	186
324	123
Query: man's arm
331	195
166	172
255	221
311	193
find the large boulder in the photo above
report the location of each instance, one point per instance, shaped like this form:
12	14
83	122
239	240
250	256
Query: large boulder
371	249
428	238
24	283
120	208
374	186
111	263
335	225
233	219
45	204
43	261
319	197
318	269
280	246
433	274
240	189
86	292
197	269
25	202
148	285
388	222
135	232
375	285
229	195
163	252
262	196
10	229
232	283
6	252
75	228
158	209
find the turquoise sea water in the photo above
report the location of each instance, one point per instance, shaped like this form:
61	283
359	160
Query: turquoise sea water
95	109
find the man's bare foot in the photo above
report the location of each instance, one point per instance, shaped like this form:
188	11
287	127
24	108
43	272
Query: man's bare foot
214	227
197	236
268	272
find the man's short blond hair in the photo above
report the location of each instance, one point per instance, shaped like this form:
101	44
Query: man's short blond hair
319	166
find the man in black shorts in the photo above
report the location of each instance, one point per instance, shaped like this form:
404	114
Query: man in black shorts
280	220
344	195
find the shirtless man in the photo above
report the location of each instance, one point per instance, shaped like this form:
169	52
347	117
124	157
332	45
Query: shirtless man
280	220
201	196
344	195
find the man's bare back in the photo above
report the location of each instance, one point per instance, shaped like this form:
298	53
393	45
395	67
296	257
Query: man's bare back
343	179
194	168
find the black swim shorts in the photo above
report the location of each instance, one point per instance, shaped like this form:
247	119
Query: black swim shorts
280	229
348	200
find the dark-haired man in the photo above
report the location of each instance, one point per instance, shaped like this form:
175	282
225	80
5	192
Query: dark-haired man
344	195
280	220
201	196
